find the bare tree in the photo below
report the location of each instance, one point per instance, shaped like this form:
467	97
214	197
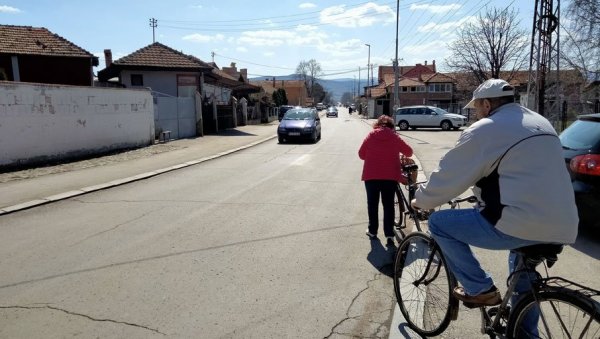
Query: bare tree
309	71
491	44
581	40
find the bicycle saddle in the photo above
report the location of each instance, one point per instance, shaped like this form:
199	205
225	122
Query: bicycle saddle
535	254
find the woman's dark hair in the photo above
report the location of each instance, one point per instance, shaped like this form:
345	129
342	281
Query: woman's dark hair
384	121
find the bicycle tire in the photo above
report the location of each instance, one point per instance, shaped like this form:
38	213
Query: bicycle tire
398	207
583	316
428	307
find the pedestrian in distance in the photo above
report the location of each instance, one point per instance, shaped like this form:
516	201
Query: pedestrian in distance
512	159
381	151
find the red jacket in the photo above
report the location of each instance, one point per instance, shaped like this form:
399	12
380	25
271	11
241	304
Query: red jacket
381	152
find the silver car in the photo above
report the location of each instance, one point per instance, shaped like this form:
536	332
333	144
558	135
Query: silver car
427	116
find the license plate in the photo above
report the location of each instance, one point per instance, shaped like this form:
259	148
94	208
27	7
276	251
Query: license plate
294	134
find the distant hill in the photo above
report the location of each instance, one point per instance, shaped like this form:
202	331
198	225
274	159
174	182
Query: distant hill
337	87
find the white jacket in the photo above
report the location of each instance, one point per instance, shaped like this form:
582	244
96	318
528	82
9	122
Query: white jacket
514	160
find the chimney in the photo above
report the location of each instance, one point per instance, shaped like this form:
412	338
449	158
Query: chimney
107	57
233	66
244	72
425	62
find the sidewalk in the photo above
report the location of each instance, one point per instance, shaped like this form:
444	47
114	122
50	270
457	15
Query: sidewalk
38	186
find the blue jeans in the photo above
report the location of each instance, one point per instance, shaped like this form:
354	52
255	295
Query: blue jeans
454	230
387	190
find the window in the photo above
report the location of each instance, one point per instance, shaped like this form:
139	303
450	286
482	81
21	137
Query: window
440	88
137	80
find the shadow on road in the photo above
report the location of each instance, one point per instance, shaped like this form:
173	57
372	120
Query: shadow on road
588	242
382	257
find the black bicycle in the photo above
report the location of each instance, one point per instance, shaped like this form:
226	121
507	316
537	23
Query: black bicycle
558	308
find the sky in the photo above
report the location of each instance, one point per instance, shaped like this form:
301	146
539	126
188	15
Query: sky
268	38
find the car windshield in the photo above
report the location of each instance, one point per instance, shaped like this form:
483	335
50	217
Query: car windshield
296	114
582	134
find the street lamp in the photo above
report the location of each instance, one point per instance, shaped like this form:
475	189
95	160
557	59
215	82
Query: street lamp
368	65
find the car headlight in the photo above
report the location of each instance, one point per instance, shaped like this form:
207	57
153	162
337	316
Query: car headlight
281	129
308	129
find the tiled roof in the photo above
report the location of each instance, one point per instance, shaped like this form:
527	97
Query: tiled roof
37	41
437	77
159	55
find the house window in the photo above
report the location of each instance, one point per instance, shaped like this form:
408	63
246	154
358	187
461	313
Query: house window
137	80
440	88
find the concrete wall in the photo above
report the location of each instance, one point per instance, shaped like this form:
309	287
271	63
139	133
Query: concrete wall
41	123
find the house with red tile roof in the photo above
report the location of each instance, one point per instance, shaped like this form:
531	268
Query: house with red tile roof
295	90
34	54
171	73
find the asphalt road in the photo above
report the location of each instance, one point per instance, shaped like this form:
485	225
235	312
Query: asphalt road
264	243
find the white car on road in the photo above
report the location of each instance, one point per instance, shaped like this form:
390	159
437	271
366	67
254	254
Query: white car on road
427	116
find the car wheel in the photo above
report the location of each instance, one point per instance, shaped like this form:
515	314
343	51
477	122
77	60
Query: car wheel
446	125
403	125
281	140
314	137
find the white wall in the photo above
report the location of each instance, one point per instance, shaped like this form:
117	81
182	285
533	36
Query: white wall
51	122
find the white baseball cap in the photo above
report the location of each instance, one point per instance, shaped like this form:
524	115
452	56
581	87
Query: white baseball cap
491	88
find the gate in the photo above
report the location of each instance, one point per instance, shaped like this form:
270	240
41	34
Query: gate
175	114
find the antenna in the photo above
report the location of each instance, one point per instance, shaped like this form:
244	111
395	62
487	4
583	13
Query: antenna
153	24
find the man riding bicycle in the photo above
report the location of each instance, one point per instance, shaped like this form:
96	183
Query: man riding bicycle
512	159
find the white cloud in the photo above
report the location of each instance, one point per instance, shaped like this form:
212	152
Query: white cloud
201	38
414	54
8	9
268	54
437	9
241	49
307	5
303	35
265	38
363	16
446	28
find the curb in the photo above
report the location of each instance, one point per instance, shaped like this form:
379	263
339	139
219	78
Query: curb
118	182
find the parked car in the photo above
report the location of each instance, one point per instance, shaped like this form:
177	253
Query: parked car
427	116
581	149
332	111
282	110
299	123
320	106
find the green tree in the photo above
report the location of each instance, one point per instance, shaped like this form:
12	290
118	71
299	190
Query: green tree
280	97
491	44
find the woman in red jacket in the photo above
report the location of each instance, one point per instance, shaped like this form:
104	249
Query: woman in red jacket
381	151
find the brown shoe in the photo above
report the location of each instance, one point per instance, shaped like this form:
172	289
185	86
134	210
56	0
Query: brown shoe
490	298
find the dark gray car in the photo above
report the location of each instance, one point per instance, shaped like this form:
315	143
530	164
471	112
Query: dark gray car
299	123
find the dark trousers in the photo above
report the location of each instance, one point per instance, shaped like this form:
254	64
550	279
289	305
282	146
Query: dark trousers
386	189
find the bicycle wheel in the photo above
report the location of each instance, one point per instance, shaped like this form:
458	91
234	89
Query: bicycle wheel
556	314
427	305
398	208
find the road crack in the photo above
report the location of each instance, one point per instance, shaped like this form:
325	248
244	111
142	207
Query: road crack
82	315
381	330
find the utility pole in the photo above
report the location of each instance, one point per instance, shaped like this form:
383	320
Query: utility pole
212	54
368	66
544	60
153	24
396	72
359	81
